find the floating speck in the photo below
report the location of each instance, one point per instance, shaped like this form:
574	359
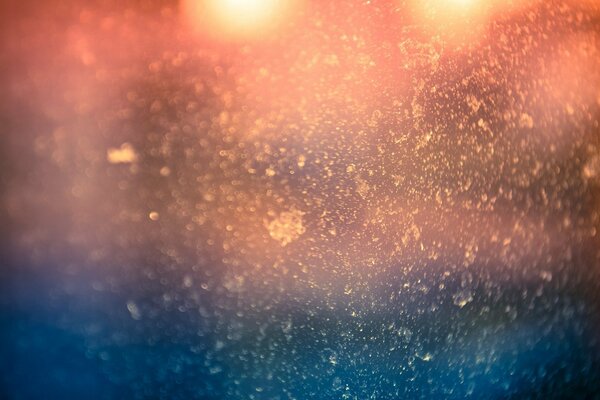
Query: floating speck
122	155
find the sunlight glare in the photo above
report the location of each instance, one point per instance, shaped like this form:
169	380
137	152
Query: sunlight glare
241	19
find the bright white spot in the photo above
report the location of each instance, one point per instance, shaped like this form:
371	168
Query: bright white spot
239	18
123	155
134	310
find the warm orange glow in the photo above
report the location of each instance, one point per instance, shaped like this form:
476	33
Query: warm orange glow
460	3
244	14
463	22
452	8
238	19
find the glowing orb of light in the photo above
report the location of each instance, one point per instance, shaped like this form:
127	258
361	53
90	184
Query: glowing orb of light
460	3
239	19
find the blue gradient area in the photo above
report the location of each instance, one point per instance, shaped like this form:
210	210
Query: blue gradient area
80	345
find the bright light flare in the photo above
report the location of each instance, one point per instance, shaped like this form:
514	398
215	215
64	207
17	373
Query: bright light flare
244	15
236	19
460	3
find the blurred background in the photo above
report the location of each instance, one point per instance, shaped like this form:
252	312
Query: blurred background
263	199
